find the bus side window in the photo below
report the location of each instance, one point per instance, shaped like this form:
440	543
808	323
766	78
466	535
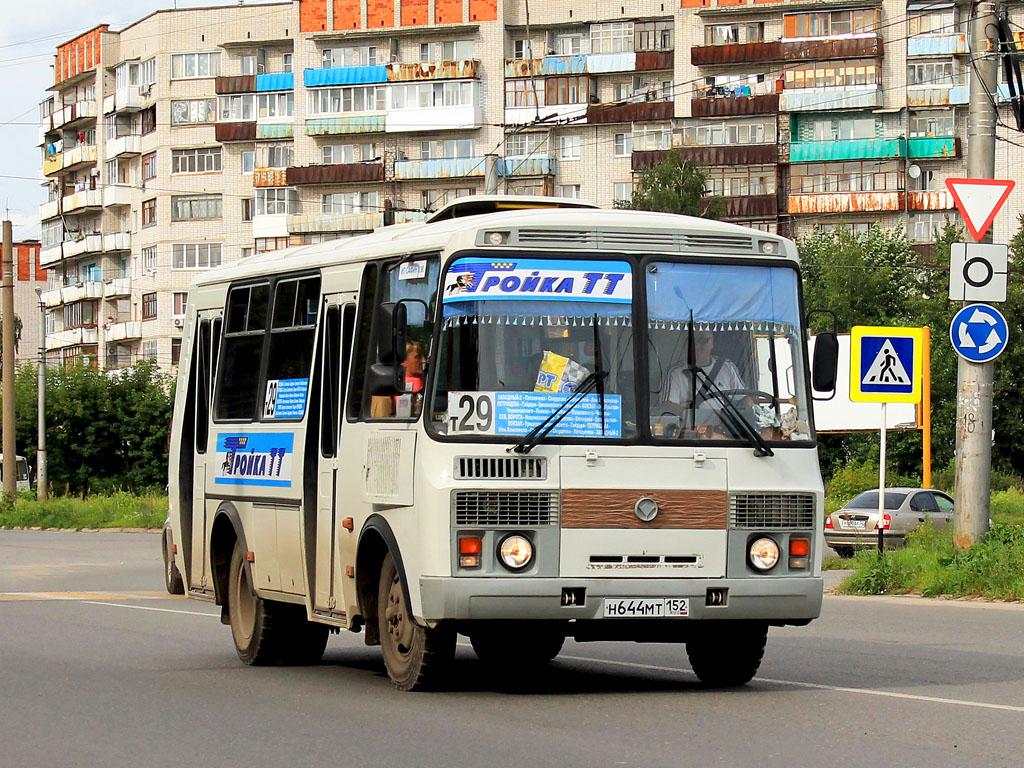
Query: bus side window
292	335
203	380
361	352
239	379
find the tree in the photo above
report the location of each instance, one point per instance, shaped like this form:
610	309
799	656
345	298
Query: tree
674	185
17	333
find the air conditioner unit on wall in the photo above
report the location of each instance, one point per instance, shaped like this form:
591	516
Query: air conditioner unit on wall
178	322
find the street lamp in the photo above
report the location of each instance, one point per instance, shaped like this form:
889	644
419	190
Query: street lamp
41	423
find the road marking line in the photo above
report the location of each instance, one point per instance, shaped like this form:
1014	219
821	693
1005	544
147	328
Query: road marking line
134	595
818	686
147	608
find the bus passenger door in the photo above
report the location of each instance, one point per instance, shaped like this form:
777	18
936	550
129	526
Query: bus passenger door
339	323
207	337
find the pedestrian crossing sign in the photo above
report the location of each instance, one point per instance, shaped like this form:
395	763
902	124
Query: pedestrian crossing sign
885	364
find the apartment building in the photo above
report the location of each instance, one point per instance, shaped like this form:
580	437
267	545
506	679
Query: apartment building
198	136
28	276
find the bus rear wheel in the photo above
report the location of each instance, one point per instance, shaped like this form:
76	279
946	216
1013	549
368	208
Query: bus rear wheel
495	646
415	656
727	656
172	577
268	632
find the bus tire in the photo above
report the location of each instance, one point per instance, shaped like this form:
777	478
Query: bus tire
416	657
265	631
724	657
493	646
172	577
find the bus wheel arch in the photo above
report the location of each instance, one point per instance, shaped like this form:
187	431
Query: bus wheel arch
376	541
226	531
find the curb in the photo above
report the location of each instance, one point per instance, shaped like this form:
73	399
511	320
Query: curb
80	530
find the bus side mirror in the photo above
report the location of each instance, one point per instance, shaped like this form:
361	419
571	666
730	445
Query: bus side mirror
825	366
391	332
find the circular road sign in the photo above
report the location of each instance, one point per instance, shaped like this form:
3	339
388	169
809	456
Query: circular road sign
979	333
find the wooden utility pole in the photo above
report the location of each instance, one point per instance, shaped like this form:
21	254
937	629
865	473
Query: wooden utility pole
7	350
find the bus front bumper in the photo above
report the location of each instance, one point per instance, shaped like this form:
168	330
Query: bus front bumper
786	600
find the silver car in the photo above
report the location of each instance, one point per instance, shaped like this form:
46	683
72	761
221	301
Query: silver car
856	524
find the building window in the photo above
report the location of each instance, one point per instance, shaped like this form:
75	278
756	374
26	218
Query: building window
80	314
277	155
190	207
432	199
186	65
248	162
927	124
569	190
615	37
248	206
569	44
568	147
351	56
149	212
933	22
623	144
286	63
729	133
175	351
925	227
149	306
740	181
622	190
149	350
838	129
731	34
149	258
266	244
248	65
452	93
521	49
568	90
333	101
833	74
830	24
149	166
271	201
930	73
520	144
349	202
195	255
193	111
246	252
447	50
459	148
851	176
653	35
279	104
147	72
650	137
147	121
205	160
524	93
180	300
237	107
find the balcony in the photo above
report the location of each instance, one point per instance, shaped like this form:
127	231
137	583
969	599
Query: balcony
269	177
937	95
69	338
277	81
318	78
846	202
529	165
824	151
599	63
740	154
270	225
630	113
73	114
80	201
338	126
123	146
51	298
122	331
225	132
117	241
275	130
843	48
128	98
343	173
52	163
722	106
465	117
117	194
51	255
117	287
235	84
576	114
72	159
346	222
451	168
938	200
433	70
738	53
49	210
831	98
547	66
650	61
937	45
945	146
92	243
594	63
750	206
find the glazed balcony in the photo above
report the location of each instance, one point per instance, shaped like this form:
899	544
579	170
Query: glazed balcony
630	113
433	70
723	106
594	63
738	53
750	206
831	98
346	222
937	200
529	165
937	95
940	146
737	154
846	202
229	84
937	45
129	98
447	168
786	50
865	149
275	128
226	132
269	177
373	122
343	173
325	76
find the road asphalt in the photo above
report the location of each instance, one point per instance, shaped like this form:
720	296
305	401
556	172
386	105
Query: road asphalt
100	667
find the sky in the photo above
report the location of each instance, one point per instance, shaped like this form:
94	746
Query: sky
29	38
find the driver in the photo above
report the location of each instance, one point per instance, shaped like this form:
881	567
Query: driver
721	371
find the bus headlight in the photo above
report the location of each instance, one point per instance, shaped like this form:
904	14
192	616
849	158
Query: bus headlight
516	552
764	554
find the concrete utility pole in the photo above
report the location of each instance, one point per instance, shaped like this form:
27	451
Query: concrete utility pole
974	380
41	481
7	350
491	175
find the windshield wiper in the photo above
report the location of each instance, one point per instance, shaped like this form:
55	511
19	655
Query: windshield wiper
598	369
542	430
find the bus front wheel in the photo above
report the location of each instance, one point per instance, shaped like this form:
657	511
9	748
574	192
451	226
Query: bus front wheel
269	632
727	656
415	656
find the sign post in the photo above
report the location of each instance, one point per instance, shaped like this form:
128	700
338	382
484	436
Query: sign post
885	367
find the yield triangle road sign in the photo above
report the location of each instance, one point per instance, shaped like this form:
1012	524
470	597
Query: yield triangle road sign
978	201
887	368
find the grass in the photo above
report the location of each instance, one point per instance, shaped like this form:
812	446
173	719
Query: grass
929	565
119	510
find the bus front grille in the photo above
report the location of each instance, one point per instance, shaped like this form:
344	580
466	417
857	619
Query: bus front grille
518	509
501	468
771	510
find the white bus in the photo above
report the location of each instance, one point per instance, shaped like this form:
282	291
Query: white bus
484	425
23	482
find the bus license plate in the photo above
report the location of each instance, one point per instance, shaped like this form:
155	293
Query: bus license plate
646	608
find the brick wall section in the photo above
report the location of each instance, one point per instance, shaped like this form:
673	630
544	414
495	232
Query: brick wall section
26	256
415	12
313	15
483	10
380	13
78	55
347	14
447	11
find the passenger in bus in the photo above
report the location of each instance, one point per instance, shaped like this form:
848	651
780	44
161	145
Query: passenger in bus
414	364
722	371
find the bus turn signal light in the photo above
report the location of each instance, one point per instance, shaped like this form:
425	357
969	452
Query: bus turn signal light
799	547
469	551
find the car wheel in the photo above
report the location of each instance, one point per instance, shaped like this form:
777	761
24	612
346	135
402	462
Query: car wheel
415	656
172	577
844	552
727	656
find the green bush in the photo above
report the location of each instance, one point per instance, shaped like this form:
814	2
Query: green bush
118	510
861	476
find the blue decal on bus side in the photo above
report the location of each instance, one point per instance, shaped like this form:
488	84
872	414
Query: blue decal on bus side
261	458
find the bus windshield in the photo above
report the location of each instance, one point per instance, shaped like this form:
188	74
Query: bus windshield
519	335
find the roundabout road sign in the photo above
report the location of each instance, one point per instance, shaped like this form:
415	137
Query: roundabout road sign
979	333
